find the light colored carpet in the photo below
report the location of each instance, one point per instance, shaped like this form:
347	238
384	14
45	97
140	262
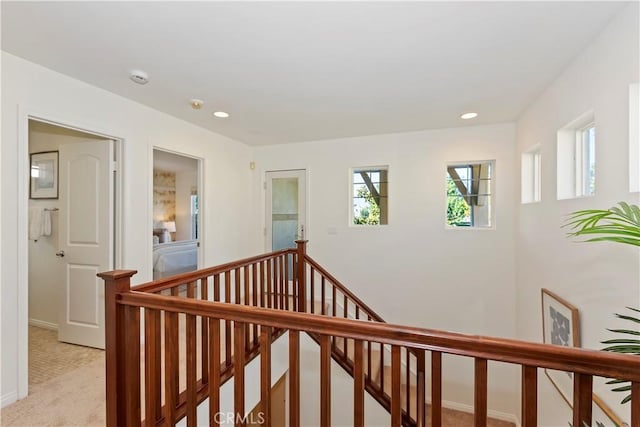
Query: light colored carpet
76	398
50	358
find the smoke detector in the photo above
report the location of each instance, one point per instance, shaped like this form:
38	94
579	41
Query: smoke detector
196	104
140	77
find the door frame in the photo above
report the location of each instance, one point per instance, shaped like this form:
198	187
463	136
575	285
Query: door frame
26	113
201	209
266	204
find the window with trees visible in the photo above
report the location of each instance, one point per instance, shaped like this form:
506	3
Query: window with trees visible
370	196
469	194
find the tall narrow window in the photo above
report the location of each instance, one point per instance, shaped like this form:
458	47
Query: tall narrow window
531	167
469	194
586	160
576	168
370	196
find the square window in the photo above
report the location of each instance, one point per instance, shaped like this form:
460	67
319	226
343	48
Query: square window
469	195
370	196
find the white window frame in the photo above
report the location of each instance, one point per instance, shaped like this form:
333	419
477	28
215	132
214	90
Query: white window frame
491	197
572	159
355	170
531	175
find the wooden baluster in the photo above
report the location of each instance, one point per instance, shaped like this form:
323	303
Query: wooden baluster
276	283
269	283
302	277
529	396
152	348
381	367
324	296
132	366
190	321
333	295
325	381
254	283
284	303
396	408
480	393
294	378
247	302
227	323
345	305
369	358
265	374
358	385
204	333
288	301
261	284
116	282
436	389
357	312
239	329
407	379
294	285
238	289
214	369
635	403
582	399
312	298
216	287
421	420
171	368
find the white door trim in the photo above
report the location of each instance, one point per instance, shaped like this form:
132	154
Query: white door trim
201	208
267	204
26	113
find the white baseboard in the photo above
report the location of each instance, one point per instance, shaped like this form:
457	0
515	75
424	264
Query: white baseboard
498	415
44	325
8	399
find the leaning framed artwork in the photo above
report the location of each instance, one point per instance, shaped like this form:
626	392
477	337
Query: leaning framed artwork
561	326
44	175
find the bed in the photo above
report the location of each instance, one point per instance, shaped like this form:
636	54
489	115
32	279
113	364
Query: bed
174	258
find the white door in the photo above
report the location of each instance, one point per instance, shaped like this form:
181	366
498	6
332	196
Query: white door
286	208
86	238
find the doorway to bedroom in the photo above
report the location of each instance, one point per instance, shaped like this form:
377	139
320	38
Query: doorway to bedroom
177	213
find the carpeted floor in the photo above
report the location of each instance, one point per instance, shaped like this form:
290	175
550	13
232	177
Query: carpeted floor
50	358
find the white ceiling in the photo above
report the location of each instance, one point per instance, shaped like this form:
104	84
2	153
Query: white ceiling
294	71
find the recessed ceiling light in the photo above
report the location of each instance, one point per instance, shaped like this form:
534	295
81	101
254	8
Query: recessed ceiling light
196	103
221	114
467	116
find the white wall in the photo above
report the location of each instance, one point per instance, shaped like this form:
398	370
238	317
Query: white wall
29	88
45	269
414	271
600	279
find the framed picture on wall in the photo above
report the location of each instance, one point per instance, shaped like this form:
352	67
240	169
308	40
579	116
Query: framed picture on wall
44	175
561	326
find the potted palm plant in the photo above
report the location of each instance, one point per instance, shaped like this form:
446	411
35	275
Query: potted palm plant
619	224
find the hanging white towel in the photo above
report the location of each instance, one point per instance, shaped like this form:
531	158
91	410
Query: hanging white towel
36	216
46	222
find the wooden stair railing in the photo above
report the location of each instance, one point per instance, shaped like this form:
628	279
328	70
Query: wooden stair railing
202	328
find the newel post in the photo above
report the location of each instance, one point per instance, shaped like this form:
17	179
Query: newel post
116	282
302	275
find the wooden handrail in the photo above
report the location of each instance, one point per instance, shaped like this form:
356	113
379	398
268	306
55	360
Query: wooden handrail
579	360
343	288
172	281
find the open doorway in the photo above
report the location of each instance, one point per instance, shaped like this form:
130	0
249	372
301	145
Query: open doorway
71	227
176	213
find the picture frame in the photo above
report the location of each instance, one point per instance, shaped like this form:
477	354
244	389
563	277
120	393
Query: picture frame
43	183
561	326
